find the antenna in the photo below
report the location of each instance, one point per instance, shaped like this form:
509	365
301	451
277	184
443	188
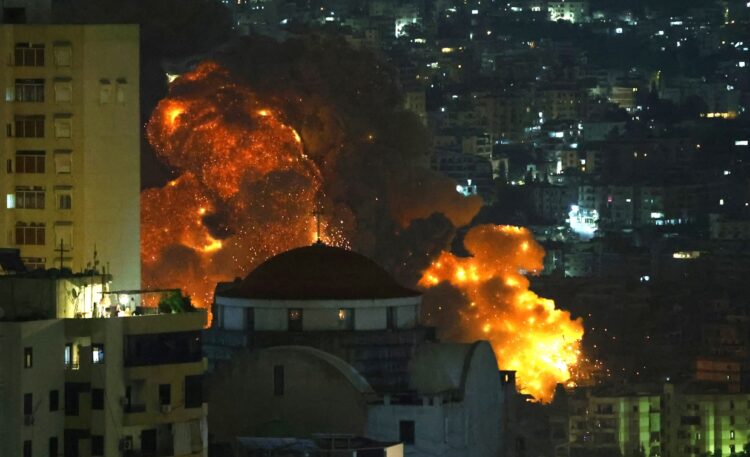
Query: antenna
317	213
62	251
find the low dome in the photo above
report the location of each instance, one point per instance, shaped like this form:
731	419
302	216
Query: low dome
318	272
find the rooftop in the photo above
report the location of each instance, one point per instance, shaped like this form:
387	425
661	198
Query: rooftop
318	272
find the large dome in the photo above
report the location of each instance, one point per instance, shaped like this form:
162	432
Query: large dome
318	272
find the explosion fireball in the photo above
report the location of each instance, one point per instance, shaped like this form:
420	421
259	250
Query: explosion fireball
246	189
253	170
527	333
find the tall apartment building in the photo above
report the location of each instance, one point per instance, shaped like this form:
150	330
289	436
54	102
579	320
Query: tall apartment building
70	148
128	386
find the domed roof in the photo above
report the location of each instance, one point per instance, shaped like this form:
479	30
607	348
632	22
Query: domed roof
318	272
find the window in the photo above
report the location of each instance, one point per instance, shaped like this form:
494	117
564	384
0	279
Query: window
406	432
105	91
27	448
28	357
165	394
54	400
72	391
30	161
193	391
63	90
97	399
64	201
63	161
97	445
28	404
390	317
294	320
10	201
63	126
53	446
731	435
278	380
29	126
29	55
29	197
97	353
62	53
29	90
63	235
122	85
731	448
346	318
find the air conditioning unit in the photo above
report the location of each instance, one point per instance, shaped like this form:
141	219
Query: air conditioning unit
166	409
28	419
126	443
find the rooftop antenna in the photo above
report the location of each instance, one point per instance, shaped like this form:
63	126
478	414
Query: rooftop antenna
317	213
62	252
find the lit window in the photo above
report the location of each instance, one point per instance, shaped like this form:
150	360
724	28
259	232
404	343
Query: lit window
97	353
731	435
28	357
294	319
346	318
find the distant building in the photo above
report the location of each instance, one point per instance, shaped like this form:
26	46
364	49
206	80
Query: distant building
71	152
98	386
571	11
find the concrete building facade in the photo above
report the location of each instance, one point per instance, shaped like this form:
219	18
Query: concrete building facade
71	147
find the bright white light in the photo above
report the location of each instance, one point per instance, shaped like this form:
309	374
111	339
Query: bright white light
10	201
583	222
123	299
474	12
742	64
618	30
721	202
741	143
727	172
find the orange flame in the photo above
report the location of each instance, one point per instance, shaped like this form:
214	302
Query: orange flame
240	164
529	335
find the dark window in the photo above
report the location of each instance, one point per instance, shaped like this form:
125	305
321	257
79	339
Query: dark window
29	90
71	440
294	320
250	318
28	404
53	446
278	380
148	443
33	233
28	357
72	394
391	317
30	162
54	400
97	398
29	55
97	445
29	126
9	166
193	391
406	432
163	348
27	448
65	201
165	394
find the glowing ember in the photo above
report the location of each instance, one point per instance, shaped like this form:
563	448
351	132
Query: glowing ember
526	331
